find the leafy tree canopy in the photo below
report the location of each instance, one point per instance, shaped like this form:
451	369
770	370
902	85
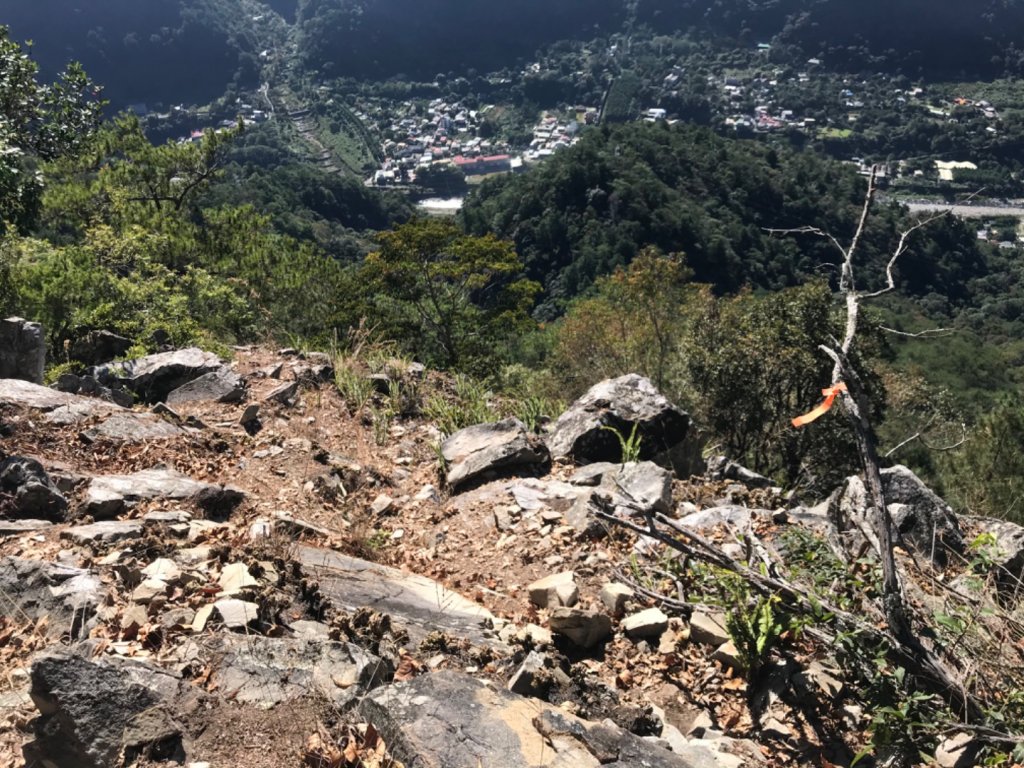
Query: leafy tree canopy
455	300
38	122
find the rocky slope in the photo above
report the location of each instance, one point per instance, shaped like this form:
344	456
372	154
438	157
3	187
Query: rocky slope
241	570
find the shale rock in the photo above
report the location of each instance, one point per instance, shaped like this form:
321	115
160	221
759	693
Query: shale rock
22	350
220	386
35	493
108	496
491	449
586	432
154	377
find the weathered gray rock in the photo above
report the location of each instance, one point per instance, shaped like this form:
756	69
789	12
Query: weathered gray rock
584	628
153	377
105	532
663	429
35	493
924	522
87	385
22	350
532	678
614	597
708	628
133	427
496	728
220	386
236	614
91	710
491	449
625	490
18	527
555	591
417	604
68	596
111	495
269	671
59	407
648	623
958	751
282	394
98	347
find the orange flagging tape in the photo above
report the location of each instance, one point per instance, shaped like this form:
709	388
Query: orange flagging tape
830	397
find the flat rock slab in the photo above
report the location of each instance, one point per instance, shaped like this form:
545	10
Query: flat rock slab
417	604
269	671
133	427
18	527
110	495
489	449
59	407
220	386
451	720
105	532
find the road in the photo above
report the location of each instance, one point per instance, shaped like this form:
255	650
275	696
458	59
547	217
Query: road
970	211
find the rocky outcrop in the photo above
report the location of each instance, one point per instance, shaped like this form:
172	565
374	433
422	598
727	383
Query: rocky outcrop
487	450
923	521
586	433
625	490
497	728
108	496
97	347
154	377
419	604
35	494
22	350
91	711
59	407
67	597
220	386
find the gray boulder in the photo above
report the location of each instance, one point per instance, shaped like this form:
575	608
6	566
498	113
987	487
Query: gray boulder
925	522
154	377
22	350
108	496
35	493
87	385
68	597
220	386
269	671
584	628
98	347
132	427
418	605
496	728
625	490
586	432
491	449
92	710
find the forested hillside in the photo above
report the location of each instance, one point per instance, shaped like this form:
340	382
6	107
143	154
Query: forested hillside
685	189
152	52
380	38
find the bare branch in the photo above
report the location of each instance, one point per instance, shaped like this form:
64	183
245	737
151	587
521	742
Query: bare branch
930	333
901	248
810	231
